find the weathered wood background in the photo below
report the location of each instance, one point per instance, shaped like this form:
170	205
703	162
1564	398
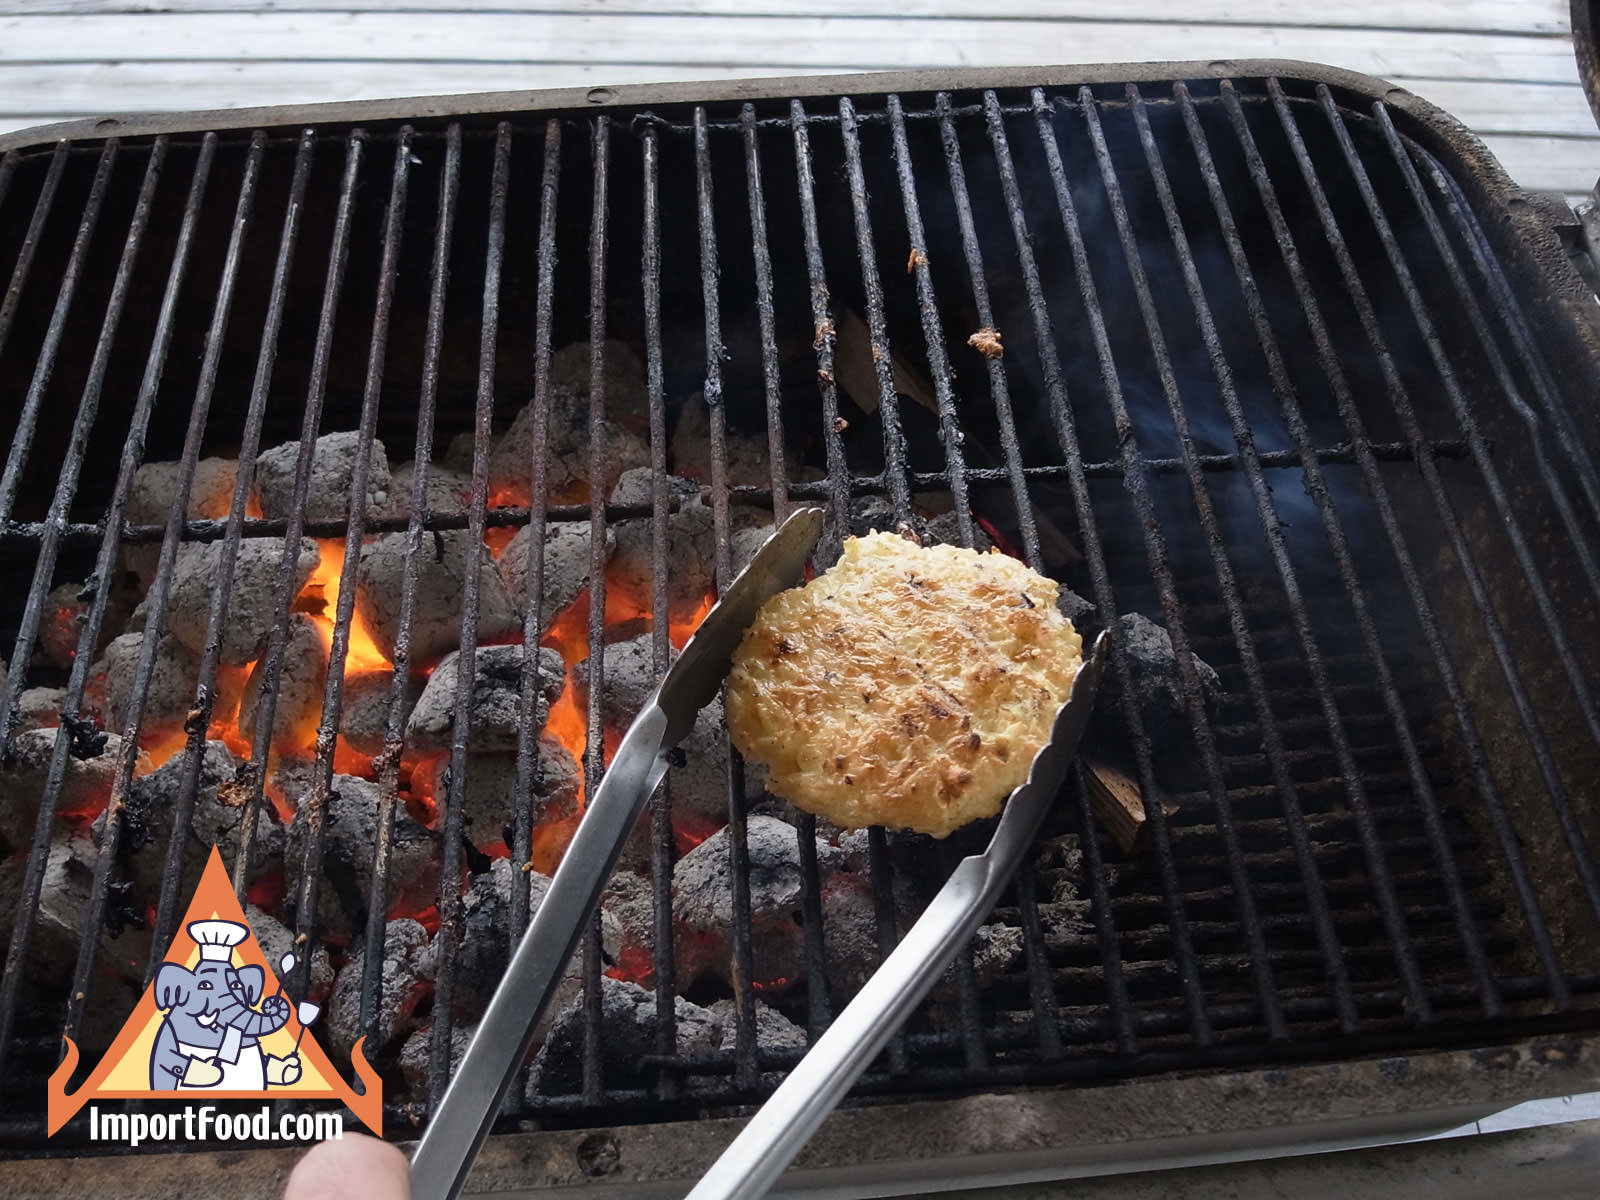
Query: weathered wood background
1504	67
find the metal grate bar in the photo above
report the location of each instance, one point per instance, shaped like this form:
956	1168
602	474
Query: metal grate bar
743	963
253	773
894	442
594	749
1550	774
932	329
1272	528
1188	970
999	393
30	244
663	847
11	978
156	600
448	938
387	764
1376	488
8	171
44	365
837	521
817	1010
199	720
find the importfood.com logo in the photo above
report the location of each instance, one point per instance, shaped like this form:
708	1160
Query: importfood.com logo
205	1123
214	1024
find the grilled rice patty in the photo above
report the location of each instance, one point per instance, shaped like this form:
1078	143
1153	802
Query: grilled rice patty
909	686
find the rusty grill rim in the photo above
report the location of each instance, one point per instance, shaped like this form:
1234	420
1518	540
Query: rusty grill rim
896	482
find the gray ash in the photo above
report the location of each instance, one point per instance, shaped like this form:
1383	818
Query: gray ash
441	575
496	712
333	461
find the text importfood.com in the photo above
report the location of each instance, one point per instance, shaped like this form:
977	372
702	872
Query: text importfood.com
206	1123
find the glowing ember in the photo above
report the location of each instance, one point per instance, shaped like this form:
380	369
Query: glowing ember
363	654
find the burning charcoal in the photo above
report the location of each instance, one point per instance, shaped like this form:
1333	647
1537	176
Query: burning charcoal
172	683
489	803
301	680
332	466
874	514
416	1056
37	708
60	624
155	486
84	791
496	699
1157	691
745	544
628	905
458	453
276	939
690	552
58	924
630	677
349	841
566	566
624	430
945	530
446	492
747	458
774	1031
252	594
364	713
407	980
147	823
628	1033
1075	608
441	574
1067	914
702	899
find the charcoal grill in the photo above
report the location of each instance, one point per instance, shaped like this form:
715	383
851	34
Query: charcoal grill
1289	367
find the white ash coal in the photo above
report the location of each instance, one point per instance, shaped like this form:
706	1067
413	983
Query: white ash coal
151	496
628	1022
60	623
407	974
1067	914
496	700
173	677
629	678
252	594
441	574
566	566
364	712
328	498
147	823
59	920
302	677
416	1056
349	841
690	552
38	708
1158	692
91	768
748	459
624	431
446	492
702	904
489	794
744	544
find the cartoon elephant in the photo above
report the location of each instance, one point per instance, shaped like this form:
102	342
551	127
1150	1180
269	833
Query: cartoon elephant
210	1036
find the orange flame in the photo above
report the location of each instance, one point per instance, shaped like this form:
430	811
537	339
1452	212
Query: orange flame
363	654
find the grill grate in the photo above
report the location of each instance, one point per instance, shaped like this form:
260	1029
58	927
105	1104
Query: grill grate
1270	377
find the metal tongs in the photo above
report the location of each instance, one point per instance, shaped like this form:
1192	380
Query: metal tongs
755	1159
458	1129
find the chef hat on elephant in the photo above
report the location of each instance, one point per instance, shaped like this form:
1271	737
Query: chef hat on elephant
217	939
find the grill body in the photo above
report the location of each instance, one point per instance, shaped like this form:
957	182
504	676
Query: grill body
1288	367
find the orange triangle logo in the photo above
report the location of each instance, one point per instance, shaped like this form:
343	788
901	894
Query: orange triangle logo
214	1025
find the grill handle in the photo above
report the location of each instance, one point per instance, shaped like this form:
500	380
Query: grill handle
755	1159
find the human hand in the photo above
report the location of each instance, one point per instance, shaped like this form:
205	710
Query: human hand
354	1167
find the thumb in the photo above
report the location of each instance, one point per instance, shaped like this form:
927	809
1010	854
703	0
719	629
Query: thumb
355	1166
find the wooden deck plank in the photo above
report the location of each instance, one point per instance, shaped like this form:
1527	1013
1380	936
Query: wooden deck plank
1505	16
793	43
